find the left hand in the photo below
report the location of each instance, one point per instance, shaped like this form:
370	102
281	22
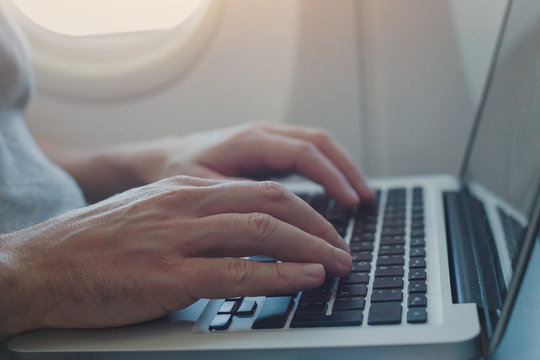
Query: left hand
251	150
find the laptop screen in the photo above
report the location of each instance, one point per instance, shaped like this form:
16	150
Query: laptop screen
503	164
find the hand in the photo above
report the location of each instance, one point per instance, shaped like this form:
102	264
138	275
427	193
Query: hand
161	247
251	150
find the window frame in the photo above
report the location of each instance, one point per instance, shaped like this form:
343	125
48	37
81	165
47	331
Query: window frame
118	65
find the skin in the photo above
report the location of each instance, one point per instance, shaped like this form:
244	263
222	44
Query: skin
171	240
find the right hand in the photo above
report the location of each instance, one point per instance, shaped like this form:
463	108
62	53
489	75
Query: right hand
161	247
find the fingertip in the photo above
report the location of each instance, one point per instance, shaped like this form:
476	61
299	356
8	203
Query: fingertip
353	196
364	191
347	197
314	274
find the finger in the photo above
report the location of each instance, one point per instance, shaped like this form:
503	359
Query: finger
335	152
271	198
238	235
224	278
285	153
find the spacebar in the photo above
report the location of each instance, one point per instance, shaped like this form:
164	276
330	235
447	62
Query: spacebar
338	318
274	313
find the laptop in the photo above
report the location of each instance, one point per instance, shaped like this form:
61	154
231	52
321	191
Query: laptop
438	260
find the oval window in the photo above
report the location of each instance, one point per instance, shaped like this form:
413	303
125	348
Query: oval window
98	17
107	49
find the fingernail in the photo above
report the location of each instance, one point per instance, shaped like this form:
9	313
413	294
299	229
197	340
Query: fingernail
354	196
315	271
343	258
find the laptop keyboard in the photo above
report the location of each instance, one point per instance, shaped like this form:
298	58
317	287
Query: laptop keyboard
384	237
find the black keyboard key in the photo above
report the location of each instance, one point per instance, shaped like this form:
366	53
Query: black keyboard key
274	312
361	256
356	238
354	278
389	271
319	294
366	229
387	227
388	283
367	215
417	286
390	222
351	291
385	313
417	316
418	242
390	260
417	263
361	266
342	231
417	207
338	318
384	295
417	252
339	213
328	283
417	233
320	203
392	240
417	300
393	232
312	308
221	322
228	307
362	246
391	250
417	274
355	303
247	307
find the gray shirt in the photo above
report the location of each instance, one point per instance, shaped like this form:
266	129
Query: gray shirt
32	188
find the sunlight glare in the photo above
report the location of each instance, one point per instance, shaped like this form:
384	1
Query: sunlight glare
97	17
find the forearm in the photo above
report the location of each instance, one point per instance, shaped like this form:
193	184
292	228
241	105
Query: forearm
99	172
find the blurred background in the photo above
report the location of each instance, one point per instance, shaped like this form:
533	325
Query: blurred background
396	81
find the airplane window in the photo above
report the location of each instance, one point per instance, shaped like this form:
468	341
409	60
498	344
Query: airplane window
112	49
99	17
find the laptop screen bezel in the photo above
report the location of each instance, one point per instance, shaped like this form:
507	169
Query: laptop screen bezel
534	217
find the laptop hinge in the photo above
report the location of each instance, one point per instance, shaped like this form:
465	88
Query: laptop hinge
475	269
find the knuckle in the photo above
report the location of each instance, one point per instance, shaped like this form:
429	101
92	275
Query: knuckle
184	180
240	271
173	195
321	136
305	147
317	246
262	224
323	227
275	191
282	279
250	131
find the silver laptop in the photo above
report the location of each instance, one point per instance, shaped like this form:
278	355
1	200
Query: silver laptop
438	260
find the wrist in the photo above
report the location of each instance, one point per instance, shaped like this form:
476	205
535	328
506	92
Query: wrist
140	161
104	172
19	304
